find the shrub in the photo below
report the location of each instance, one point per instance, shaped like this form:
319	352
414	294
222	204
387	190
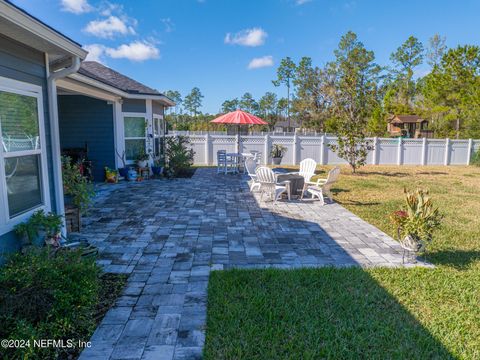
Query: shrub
179	158
417	219
278	151
44	297
475	158
76	185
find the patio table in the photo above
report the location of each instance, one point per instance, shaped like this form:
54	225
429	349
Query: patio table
296	182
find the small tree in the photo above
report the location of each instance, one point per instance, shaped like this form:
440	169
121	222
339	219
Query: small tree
353	79
179	157
285	76
193	101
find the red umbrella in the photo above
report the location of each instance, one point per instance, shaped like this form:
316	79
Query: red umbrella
239	117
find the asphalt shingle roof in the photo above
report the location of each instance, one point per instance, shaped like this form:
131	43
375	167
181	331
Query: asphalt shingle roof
99	72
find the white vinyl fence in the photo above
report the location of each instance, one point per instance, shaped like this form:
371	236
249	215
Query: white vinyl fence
387	151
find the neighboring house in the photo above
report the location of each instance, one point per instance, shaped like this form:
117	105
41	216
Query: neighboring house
286	126
409	126
109	113
49	101
32	57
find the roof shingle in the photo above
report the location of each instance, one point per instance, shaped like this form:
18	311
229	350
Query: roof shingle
99	72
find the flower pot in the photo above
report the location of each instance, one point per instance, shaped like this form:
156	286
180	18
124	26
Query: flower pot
142	163
68	199
157	170
276	160
39	240
123	172
131	175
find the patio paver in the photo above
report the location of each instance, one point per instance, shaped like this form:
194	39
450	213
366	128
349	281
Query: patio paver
169	235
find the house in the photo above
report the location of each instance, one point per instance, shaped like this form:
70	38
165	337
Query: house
53	102
105	114
289	126
33	56
410	126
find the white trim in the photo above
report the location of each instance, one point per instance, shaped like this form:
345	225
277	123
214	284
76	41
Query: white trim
25	89
28	23
119	140
87	90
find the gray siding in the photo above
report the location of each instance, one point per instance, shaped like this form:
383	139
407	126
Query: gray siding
88	120
134	105
22	63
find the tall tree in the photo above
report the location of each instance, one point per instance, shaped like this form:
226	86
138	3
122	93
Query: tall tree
230	105
248	103
310	101
406	58
452	92
436	50
176	97
268	104
193	101
285	76
353	78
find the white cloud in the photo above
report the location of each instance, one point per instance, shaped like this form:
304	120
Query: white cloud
247	37
169	25
264	61
301	2
76	6
135	51
109	27
96	52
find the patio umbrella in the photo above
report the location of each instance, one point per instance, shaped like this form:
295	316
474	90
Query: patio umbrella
239	118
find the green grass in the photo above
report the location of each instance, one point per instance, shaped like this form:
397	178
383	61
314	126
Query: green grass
375	313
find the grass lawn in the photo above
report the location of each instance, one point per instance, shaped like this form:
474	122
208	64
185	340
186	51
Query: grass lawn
375	313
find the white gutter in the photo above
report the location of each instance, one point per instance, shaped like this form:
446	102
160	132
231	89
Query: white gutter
55	132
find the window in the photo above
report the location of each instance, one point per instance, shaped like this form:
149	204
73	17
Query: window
135	136
158	132
22	155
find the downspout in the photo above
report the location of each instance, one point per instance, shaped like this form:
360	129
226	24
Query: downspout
55	132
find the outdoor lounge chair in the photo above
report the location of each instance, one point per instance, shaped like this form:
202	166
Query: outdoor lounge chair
269	185
321	188
250	167
307	169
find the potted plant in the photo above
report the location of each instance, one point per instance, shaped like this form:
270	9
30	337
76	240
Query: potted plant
142	159
157	167
39	229
124	170
415	223
277	153
76	186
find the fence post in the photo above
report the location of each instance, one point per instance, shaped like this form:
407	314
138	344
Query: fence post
447	152
469	151
399	152
207	149
322	150
266	149
295	149
424	151
375	151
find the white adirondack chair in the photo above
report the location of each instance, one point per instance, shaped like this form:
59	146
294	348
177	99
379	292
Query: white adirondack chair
269	185
250	167
321	188
307	169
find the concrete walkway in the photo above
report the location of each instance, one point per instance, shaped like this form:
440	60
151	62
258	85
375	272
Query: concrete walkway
168	235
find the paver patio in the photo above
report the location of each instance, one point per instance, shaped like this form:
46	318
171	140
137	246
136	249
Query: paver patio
168	235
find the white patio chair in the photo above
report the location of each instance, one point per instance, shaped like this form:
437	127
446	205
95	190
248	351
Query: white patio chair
257	156
307	169
268	184
321	188
225	164
250	167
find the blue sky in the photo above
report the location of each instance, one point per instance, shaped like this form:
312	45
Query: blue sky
179	44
